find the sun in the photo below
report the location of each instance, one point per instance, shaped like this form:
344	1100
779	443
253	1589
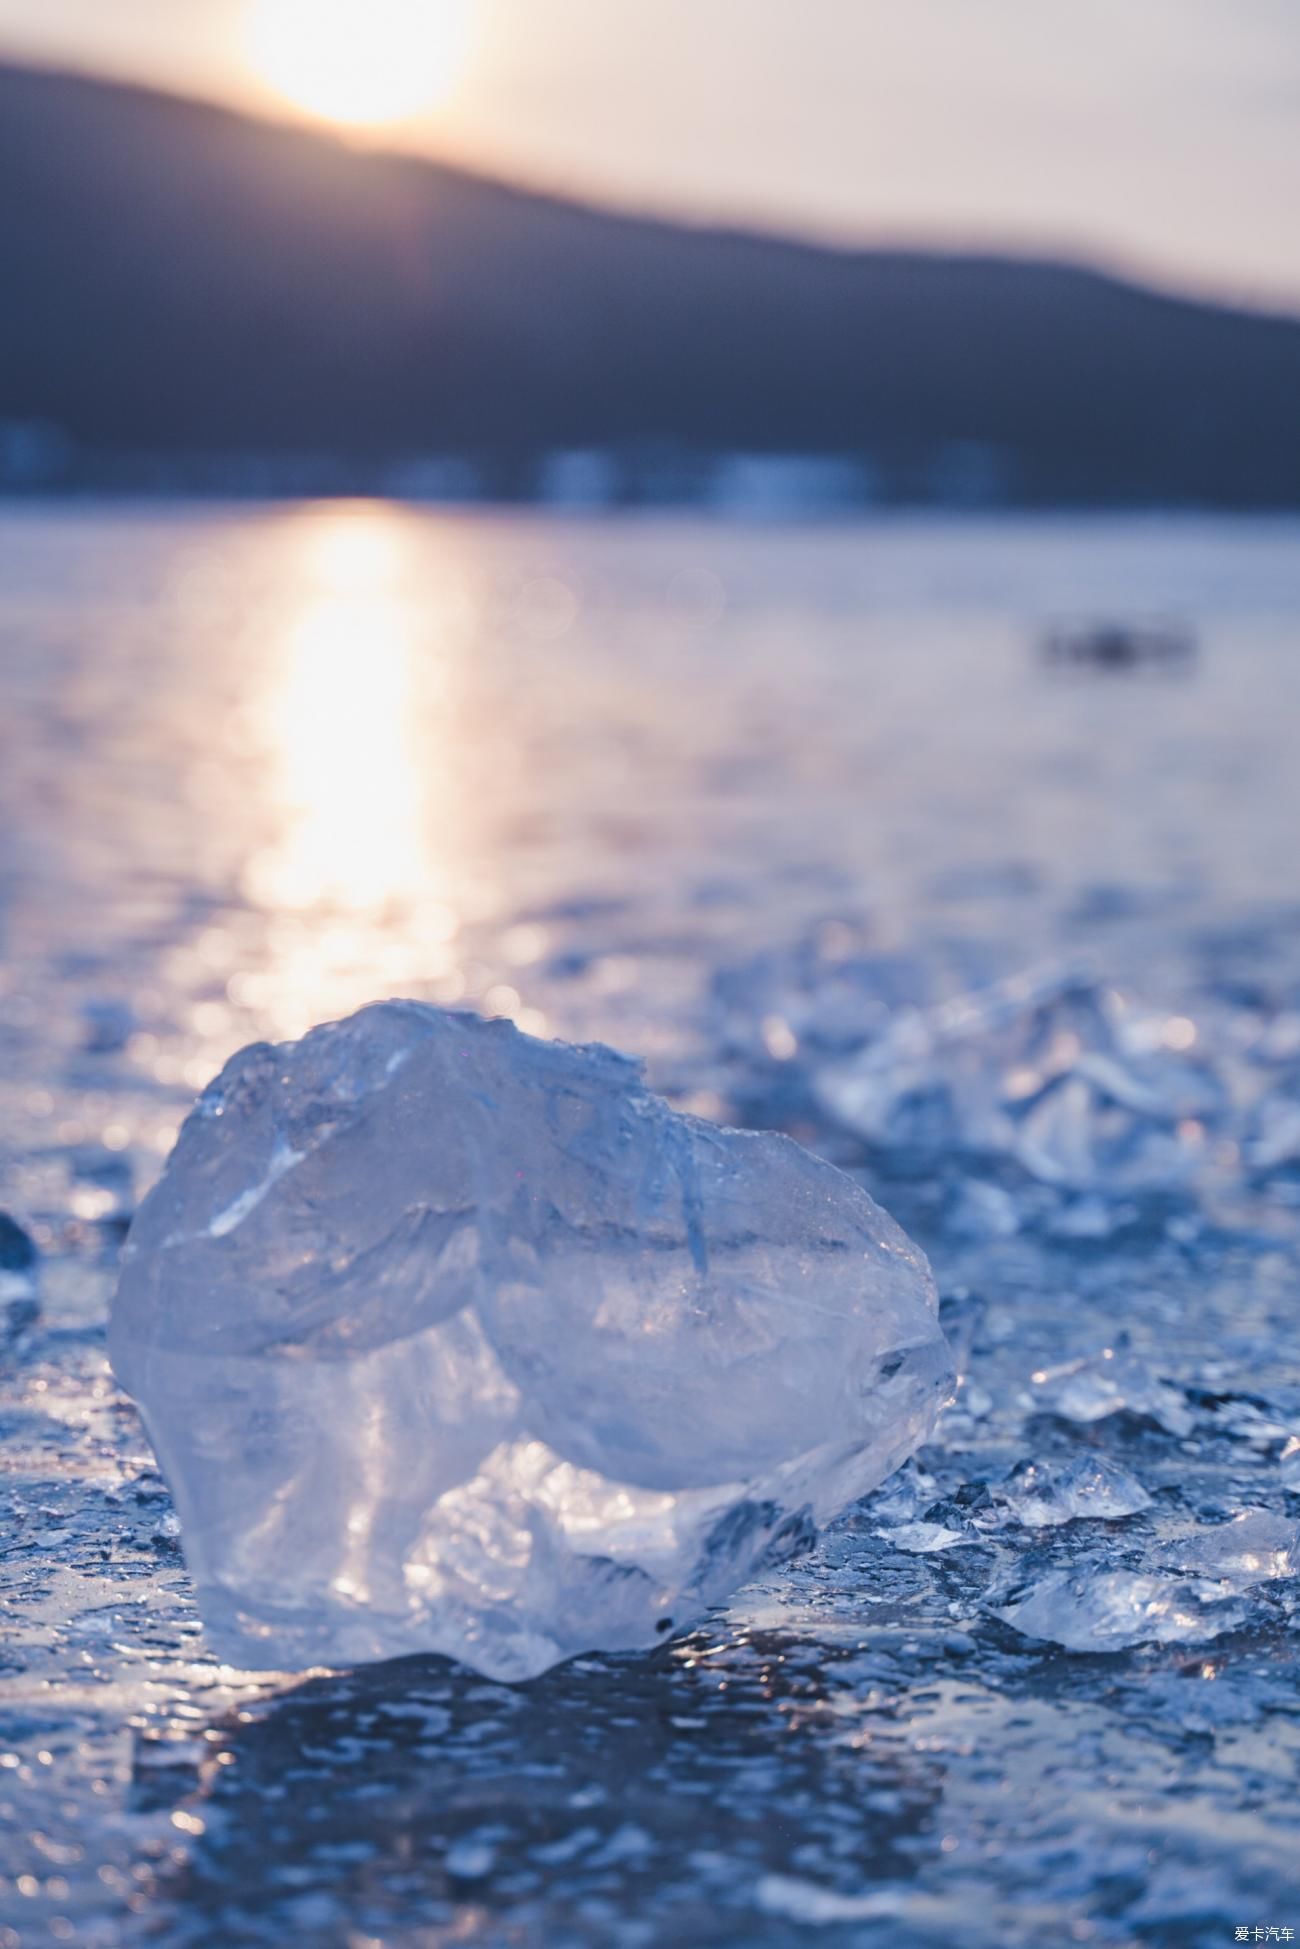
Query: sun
363	62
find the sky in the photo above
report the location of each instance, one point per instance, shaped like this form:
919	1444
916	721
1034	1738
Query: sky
1157	137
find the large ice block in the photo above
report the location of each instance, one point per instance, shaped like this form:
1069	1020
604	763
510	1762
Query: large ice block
449	1339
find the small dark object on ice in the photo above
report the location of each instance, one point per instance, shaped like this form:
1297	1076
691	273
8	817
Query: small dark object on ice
17	1252
107	1027
1120	646
18	1262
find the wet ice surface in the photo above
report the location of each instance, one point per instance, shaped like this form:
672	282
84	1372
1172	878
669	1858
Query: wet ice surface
1020	952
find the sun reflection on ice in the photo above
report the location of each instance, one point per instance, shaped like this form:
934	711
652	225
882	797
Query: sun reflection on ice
340	721
363	904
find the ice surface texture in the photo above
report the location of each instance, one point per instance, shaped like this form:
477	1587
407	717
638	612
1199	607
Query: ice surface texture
452	1340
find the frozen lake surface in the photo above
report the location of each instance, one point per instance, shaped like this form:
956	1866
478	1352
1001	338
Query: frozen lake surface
766	806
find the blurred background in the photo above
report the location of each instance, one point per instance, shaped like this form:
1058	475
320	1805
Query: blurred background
466	461
768	536
713	255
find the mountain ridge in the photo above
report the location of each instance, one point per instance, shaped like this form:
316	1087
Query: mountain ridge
188	280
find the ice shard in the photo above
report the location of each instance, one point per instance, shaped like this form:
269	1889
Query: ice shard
1115	1609
1041	1495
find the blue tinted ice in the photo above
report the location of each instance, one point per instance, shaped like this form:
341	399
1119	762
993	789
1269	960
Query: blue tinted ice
1084	1611
453	1340
1042	1495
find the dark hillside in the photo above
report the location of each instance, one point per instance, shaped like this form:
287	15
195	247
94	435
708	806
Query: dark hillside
180	279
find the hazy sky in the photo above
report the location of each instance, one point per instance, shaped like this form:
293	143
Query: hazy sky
1159	135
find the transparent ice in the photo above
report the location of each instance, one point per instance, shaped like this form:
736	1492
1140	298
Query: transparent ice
453	1340
1113	1381
1042	1495
1255	1547
920	1539
1086	1611
1052	1071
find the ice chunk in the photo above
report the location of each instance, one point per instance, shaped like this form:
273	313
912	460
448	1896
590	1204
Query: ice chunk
1119	1608
1108	1383
1091	1128
921	1539
452	1340
1043	1494
827	992
908	1492
1052	1070
1255	1547
982	1211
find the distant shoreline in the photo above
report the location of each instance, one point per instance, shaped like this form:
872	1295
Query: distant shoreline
207	303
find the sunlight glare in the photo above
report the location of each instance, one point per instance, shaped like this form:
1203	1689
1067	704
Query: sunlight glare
339	722
363	904
361	62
